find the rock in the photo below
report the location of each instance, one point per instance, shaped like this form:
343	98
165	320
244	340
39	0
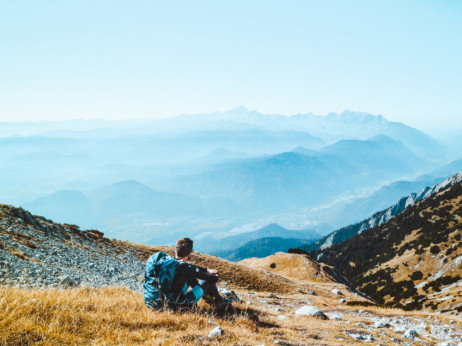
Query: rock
381	324
66	281
337	292
336	317
313	293
282	317
342	301
310	310
280	309
228	294
410	334
216	332
361	337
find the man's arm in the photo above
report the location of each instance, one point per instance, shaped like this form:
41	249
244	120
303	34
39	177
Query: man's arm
203	274
207	270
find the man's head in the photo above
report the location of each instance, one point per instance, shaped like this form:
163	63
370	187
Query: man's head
184	247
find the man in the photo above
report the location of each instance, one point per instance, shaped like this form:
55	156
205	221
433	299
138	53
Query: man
202	281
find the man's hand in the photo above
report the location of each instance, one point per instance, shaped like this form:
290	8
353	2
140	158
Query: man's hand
212	271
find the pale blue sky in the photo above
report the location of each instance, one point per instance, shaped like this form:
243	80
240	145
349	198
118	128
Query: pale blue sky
146	59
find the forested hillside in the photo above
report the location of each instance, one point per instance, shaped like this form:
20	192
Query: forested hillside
413	260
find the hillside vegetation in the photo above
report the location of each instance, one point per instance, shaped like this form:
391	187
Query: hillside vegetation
414	260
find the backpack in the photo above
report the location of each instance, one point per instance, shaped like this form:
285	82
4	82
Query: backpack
160	270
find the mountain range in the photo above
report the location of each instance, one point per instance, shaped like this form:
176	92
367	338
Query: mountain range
209	175
246	244
238	190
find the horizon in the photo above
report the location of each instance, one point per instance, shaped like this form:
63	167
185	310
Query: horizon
44	121
150	60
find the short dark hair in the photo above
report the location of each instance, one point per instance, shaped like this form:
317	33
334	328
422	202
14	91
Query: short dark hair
184	247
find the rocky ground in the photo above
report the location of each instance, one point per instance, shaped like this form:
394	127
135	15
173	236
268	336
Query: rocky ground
35	252
314	315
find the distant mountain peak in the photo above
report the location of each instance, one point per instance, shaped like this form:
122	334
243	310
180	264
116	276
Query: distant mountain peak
359	115
238	109
381	138
304	151
129	183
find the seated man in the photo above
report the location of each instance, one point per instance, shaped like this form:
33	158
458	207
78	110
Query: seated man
201	280
168	280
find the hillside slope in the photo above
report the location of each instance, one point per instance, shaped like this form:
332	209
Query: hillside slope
35	252
41	261
414	259
297	266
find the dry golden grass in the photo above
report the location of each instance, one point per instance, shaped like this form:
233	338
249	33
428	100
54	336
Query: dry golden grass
294	266
118	316
114	315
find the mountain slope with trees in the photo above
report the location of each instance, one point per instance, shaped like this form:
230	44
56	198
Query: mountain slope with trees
414	259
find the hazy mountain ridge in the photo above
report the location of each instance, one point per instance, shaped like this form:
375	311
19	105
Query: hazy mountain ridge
262	247
211	173
226	246
331	127
353	211
413	260
293	177
249	189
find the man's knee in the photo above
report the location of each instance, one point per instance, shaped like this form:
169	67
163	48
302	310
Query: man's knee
195	294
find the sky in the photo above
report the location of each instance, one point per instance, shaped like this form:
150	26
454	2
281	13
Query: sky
154	59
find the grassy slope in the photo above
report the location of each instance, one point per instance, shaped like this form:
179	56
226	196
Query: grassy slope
108	316
115	316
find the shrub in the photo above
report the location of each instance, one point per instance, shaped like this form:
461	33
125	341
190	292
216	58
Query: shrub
75	228
435	249
360	303
298	251
417	275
